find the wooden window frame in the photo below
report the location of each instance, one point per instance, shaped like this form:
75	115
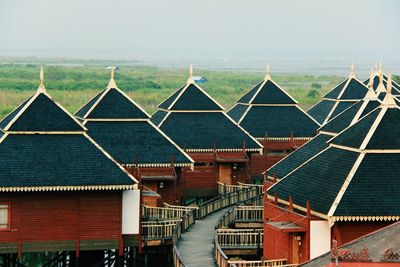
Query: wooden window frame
8	228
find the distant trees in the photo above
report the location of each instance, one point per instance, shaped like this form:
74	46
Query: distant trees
313	93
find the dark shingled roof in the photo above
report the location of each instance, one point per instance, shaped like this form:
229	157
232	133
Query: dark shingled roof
203	124
319	143
278	121
349	90
194	99
131	142
167	102
245	99
111	104
335	92
56	157
41	114
56	160
354	90
299	156
355	135
321	110
395	86
318	181
11	116
344	119
387	134
190	97
127	133
340	107
269	109
203	130
158	116
373	191
237	111
269	93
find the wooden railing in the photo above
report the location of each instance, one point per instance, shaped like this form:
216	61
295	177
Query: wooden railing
240	238
259	187
158	230
227	188
267	263
164	213
223	201
249	213
244	195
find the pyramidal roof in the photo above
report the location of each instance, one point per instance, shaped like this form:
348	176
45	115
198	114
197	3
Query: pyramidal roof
356	177
196	122
320	142
44	148
111	103
124	129
378	80
190	97
339	98
268	111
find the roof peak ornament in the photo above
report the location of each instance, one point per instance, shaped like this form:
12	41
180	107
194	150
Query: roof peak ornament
381	87
190	79
112	83
267	75
371	93
41	88
389	100
352	74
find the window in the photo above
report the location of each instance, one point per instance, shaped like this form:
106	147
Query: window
4	216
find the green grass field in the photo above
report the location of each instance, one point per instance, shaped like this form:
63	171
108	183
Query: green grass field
148	86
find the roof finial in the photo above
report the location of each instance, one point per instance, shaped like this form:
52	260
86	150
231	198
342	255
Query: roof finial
190	79
389	100
352	74
380	66
371	93
41	88
381	87
111	83
371	79
389	84
267	75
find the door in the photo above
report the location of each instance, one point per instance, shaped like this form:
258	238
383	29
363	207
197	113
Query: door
225	173
295	251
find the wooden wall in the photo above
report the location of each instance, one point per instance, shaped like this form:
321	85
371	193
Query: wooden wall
277	243
60	216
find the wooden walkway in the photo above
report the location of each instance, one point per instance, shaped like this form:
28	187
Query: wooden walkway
196	246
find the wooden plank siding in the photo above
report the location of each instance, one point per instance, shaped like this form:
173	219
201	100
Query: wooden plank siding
45	221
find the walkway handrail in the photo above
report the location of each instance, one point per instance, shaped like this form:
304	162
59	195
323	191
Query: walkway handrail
226	200
228	188
163	213
266	263
232	238
249	213
158	230
222	201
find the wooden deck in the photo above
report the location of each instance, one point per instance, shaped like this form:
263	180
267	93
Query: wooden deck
196	245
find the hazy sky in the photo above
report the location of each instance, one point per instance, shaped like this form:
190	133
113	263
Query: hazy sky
357	29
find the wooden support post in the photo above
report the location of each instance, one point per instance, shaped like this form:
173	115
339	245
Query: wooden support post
19	249
290	203
275	199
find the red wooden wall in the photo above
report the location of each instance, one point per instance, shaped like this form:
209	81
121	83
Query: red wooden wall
49	216
277	243
345	232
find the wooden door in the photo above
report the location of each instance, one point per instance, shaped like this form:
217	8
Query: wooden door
225	173
295	248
